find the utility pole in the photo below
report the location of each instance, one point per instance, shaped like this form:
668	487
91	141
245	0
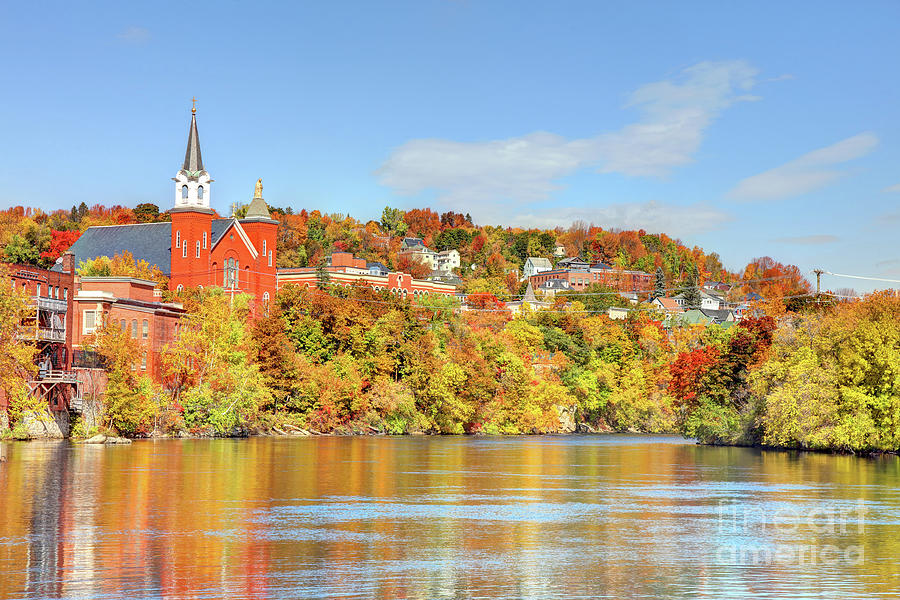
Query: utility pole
818	273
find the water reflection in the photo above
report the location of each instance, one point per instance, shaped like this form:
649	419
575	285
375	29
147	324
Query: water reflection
563	517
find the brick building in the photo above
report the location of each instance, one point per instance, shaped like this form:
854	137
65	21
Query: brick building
578	279
197	248
344	269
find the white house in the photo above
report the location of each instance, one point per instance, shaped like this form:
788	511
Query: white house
446	260
707	301
535	265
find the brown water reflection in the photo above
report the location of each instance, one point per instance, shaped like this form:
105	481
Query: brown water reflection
566	517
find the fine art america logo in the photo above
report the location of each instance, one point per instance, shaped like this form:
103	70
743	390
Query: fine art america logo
790	536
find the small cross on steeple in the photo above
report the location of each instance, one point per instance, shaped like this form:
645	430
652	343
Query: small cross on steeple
193	106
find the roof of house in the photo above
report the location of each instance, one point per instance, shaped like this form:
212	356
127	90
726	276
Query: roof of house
694	317
378	265
538	261
554	283
717	316
667	303
572	260
151	242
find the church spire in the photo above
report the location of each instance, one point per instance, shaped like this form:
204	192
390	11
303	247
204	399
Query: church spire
193	162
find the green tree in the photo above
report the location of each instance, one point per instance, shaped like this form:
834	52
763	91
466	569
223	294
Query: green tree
392	221
660	283
211	364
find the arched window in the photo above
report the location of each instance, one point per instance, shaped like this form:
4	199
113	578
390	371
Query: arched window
200	192
145	329
266	303
184	192
178	239
204	240
134	328
180	288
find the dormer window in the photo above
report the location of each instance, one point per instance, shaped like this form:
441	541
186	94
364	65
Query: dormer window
184	192
200	192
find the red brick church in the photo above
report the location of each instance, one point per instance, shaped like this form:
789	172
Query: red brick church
196	249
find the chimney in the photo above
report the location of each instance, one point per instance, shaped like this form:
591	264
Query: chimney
68	262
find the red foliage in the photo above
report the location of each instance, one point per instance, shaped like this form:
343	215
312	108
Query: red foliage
689	369
485	301
60	241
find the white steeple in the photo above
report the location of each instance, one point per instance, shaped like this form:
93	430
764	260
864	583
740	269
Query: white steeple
192	182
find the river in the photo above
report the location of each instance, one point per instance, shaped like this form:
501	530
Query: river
444	517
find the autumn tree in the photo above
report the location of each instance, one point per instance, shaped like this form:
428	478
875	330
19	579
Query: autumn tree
211	364
16	356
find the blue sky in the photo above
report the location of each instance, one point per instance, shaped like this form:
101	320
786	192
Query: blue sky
768	129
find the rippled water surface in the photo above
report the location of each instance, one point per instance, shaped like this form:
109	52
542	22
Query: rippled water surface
454	517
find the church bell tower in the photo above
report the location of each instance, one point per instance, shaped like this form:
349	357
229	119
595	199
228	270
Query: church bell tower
191	218
192	182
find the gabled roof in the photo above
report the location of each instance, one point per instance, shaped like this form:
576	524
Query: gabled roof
554	283
572	261
151	242
694	317
717	316
225	228
667	303
539	261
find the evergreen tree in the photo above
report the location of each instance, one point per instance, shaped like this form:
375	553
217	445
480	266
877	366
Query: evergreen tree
660	288
692	288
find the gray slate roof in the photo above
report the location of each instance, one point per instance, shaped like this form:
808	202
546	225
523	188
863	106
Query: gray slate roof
151	242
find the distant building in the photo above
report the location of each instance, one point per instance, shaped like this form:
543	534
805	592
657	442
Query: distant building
573	262
617	313
618	279
550	287
446	260
416	249
344	269
535	265
668	305
377	268
707	301
559	250
529	300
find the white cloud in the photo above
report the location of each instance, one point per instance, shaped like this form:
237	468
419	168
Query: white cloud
892	188
807	173
808	239
654	217
134	35
675	116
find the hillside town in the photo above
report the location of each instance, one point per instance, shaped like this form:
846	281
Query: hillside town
193	248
